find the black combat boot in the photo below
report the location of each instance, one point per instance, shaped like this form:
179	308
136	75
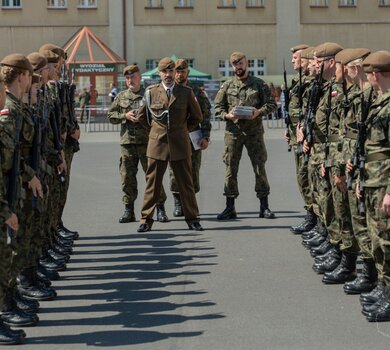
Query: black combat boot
373	296
178	209
265	211
318	229
26	305
332	252
364	282
9	337
321	249
51	274
161	213
306	225
346	271
128	215
381	311
30	288
230	211
315	241
329	264
74	234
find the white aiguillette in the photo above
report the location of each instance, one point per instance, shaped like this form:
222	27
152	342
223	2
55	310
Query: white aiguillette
243	112
196	136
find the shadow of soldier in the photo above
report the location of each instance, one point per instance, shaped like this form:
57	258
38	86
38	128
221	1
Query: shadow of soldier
135	281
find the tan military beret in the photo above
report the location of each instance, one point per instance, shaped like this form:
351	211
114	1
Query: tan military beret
236	57
37	61
348	55
377	62
166	63
17	60
52	52
308	53
130	69
36	78
327	50
181	64
299	47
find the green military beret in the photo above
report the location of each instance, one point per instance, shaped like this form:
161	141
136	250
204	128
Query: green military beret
299	47
308	53
166	63
181	64
17	60
37	61
130	69
327	50
52	52
236	56
348	55
377	62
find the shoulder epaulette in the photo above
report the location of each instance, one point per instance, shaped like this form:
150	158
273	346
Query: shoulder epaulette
152	86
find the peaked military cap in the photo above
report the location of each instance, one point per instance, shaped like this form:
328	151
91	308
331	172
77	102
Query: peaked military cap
181	64
52	52
37	61
166	63
348	55
236	56
17	60
308	53
378	61
327	50
130	69
299	47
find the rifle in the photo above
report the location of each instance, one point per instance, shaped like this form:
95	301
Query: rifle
13	181
286	103
36	152
314	100
327	121
300	104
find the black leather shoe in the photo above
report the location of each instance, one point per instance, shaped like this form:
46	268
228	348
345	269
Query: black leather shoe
65	235
332	252
18	318
317	229
144	228
321	249
35	293
7	337
16	332
365	282
346	271
51	274
58	256
195	226
161	213
306	225
373	296
313	242
74	233
26	305
381	313
266	214
228	214
178	209
328	265
128	215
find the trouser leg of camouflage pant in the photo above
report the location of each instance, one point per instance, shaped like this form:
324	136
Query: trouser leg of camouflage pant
304	184
131	155
378	223
311	167
322	193
342	217
196	159
231	157
65	185
6	253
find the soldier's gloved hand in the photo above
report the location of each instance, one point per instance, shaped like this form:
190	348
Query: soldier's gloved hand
340	182
132	116
13	222
35	186
386	204
204	143
349	166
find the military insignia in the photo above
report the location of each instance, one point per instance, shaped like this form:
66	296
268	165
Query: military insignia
4	111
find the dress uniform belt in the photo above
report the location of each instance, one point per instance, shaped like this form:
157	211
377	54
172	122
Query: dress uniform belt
378	156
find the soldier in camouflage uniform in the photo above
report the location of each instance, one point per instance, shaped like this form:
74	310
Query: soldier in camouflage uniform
244	90
9	219
377	184
181	78
134	140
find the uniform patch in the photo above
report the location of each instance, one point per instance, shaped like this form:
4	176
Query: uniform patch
4	111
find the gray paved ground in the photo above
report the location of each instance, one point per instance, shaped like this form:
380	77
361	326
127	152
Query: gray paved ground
246	284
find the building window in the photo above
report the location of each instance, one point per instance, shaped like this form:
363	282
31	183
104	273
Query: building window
184	4
154	4
151	63
56	4
319	3
87	4
226	3
255	3
384	3
11	4
347	3
190	62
